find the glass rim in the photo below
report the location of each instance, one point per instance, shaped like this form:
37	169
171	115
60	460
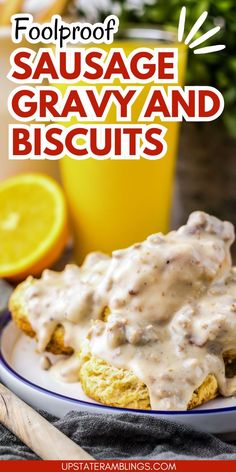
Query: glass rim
149	33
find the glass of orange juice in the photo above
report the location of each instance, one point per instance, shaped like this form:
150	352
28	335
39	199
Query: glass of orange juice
115	203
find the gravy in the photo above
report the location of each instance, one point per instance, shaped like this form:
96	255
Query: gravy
172	309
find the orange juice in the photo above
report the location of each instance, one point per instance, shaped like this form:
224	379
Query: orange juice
8	167
116	203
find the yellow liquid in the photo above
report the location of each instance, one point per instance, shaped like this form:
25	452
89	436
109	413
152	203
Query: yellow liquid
114	204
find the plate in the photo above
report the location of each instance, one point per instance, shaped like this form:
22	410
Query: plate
20	371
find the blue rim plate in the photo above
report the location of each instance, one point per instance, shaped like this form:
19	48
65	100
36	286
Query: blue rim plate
4	321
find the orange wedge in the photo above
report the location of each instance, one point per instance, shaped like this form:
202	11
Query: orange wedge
33	225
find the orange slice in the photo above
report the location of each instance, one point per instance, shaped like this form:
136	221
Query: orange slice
33	225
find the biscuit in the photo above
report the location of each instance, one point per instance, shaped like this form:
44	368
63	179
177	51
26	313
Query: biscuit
121	388
20	316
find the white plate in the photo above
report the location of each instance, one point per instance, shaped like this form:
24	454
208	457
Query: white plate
20	371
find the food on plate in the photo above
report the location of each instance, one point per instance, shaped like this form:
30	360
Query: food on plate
31	240
58	308
121	388
152	326
19	313
111	386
